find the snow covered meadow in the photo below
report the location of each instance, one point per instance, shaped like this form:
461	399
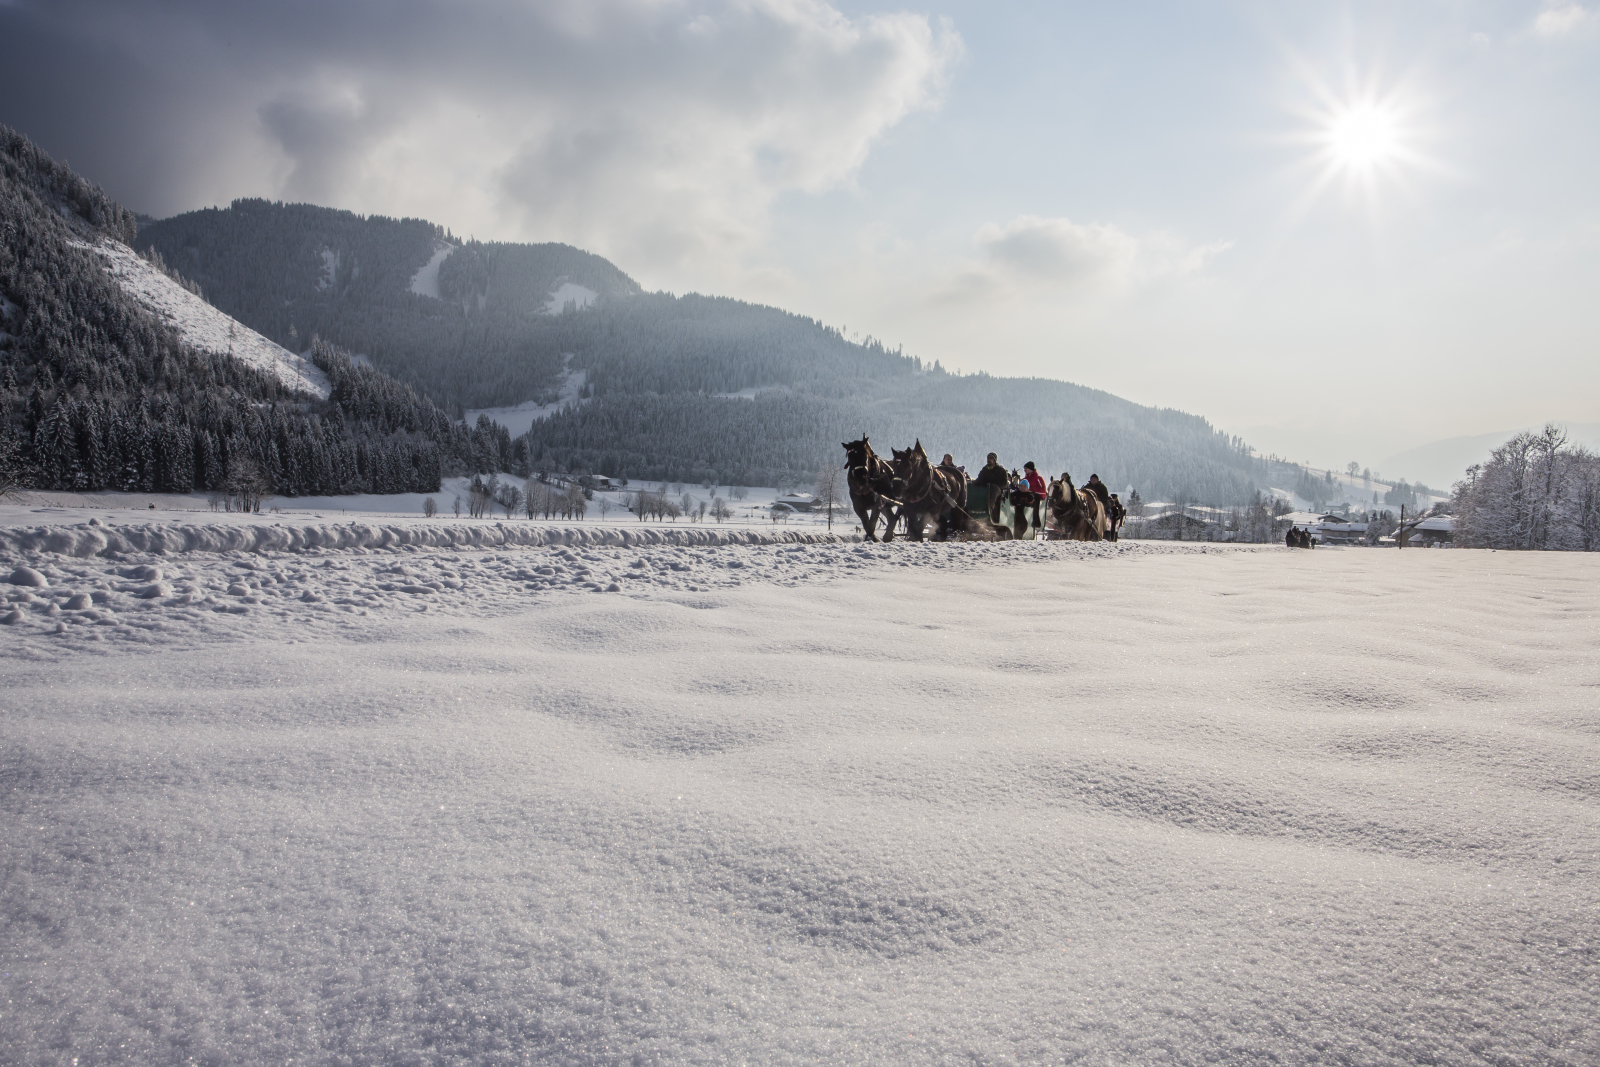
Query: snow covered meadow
376	793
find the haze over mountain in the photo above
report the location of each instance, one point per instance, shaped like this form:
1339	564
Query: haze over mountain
685	387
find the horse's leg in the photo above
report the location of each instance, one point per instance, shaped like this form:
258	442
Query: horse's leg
916	525
868	517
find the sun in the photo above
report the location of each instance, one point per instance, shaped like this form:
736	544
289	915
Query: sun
1365	136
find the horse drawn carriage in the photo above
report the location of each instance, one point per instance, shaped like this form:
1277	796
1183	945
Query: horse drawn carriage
909	491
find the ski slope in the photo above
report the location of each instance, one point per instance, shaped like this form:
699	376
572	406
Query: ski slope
202	325
798	802
426	281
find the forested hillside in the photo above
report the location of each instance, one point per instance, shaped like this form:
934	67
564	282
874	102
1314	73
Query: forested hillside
294	271
656	367
783	433
99	392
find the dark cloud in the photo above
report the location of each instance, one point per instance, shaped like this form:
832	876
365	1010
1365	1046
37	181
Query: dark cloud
650	130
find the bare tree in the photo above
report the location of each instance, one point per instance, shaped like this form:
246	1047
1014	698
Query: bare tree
479	497
456	505
828	490
530	497
247	486
429	507
574	504
738	492
720	509
602	504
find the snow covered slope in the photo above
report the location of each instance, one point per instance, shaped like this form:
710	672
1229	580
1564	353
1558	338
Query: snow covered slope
570	292
426	281
519	418
202	325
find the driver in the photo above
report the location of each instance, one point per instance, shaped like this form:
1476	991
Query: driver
995	480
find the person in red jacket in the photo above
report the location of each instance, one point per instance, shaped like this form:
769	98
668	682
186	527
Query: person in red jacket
1035	482
1035	485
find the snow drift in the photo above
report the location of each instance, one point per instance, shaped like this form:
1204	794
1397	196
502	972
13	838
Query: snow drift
95	539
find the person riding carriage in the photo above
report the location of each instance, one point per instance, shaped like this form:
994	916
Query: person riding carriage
995	481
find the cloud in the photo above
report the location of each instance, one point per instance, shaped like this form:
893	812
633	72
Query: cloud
659	132
1068	258
1561	21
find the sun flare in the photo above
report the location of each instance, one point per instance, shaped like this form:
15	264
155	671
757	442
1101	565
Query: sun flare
1367	139
1365	136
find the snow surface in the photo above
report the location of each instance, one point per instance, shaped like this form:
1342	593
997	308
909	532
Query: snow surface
795	803
202	325
521	417
426	281
570	292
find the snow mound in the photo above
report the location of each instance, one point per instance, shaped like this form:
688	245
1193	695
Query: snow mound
426	281
569	291
175	538
202	325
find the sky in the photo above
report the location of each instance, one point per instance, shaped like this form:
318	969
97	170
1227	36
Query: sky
1338	230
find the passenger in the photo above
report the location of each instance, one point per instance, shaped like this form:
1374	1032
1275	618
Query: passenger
1098	488
993	474
995	481
1292	538
949	464
1036	486
1035	481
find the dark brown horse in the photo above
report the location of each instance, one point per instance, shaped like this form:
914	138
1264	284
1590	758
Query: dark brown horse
1116	515
872	484
1078	513
928	490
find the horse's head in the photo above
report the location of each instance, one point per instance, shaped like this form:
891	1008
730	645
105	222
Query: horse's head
857	452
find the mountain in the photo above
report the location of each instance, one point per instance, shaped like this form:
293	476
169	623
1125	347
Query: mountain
116	374
619	381
1443	463
468	322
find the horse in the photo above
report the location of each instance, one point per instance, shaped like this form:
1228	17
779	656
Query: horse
928	489
1078	513
871	480
1116	515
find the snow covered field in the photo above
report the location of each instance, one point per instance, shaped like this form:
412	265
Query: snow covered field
797	802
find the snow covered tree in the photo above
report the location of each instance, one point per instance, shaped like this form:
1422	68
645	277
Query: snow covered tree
1535	493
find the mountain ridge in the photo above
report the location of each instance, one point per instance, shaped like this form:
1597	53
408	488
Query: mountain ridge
661	373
